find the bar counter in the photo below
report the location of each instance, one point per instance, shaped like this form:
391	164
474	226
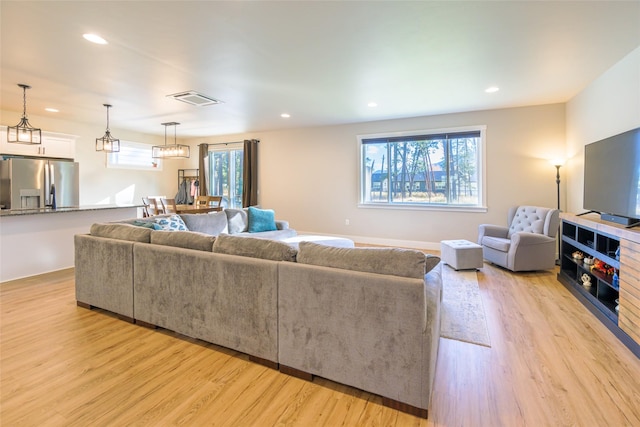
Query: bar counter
37	241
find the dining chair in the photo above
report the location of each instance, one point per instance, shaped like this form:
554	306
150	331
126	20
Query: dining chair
169	205
209	201
156	206
146	207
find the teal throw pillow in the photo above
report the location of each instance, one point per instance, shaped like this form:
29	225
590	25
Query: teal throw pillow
261	220
172	223
147	224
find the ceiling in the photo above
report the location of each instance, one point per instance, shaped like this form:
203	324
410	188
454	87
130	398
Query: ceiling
320	62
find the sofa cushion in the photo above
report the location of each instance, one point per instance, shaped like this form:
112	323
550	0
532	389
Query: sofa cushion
214	223
254	247
121	232
237	219
391	261
172	223
261	220
184	239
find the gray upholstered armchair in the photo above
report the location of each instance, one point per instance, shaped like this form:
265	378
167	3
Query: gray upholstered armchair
527	243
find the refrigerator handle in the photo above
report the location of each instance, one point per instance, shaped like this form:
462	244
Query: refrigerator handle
47	185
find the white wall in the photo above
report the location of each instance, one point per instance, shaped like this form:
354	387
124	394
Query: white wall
310	175
98	184
608	106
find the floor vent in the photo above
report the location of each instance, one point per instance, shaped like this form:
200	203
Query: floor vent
195	98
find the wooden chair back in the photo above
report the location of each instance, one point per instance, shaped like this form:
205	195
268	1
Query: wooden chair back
209	201
169	205
146	207
156	206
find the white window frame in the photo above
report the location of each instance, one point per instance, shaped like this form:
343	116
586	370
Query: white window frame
482	193
138	162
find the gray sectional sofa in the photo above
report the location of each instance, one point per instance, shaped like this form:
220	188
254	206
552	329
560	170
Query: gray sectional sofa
365	317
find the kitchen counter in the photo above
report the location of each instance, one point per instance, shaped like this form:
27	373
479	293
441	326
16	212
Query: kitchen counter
37	241
38	211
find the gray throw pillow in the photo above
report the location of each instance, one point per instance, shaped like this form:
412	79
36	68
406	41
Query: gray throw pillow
213	223
121	232
184	239
238	220
391	261
254	247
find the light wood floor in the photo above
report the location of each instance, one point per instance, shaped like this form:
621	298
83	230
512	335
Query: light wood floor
551	364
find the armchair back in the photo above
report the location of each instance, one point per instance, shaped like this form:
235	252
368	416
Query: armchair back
533	219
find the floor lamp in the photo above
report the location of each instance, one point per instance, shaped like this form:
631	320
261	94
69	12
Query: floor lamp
558	164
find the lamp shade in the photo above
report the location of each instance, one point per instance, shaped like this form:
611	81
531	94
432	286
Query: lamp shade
23	132
107	142
170	151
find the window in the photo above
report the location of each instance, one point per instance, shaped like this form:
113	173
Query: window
133	155
225	173
423	169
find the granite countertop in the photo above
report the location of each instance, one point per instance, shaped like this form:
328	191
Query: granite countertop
38	211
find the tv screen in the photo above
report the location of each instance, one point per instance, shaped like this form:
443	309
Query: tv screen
612	175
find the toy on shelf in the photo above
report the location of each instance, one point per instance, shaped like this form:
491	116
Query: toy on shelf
602	267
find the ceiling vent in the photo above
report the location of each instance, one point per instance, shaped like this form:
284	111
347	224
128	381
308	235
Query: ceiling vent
195	98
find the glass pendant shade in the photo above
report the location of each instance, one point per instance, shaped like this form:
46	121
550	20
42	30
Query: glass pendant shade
107	143
170	151
23	132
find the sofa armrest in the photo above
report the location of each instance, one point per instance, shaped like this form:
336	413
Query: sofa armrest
492	231
282	224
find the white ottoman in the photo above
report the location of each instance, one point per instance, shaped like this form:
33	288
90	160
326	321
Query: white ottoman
461	254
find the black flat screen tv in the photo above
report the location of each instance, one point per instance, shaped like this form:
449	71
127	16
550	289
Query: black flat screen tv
612	177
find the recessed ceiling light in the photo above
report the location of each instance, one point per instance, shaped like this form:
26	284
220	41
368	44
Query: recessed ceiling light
372	104
52	110
94	38
492	89
285	115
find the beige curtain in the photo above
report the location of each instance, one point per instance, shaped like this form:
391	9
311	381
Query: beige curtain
203	168
250	173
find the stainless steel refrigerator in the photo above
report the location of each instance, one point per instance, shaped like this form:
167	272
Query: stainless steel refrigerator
38	183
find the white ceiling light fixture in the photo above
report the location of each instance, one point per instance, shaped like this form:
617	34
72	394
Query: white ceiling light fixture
94	38
171	151
52	110
23	132
372	104
492	89
107	143
285	115
194	98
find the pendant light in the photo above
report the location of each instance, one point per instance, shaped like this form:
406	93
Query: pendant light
108	143
23	132
171	151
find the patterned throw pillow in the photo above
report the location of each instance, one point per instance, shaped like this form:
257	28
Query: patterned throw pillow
172	223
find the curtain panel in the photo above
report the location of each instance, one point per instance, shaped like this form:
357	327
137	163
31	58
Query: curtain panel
250	173
203	169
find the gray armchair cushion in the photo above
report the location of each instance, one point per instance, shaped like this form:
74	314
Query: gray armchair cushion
254	247
127	232
184	239
391	261
213	223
